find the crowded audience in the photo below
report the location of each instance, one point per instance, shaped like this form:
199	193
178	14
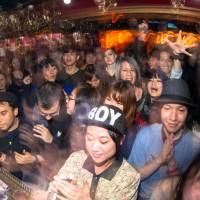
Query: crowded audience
97	124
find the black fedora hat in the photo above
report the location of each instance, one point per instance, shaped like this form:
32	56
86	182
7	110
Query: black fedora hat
176	91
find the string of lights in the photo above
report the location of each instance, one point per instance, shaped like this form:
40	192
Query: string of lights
105	5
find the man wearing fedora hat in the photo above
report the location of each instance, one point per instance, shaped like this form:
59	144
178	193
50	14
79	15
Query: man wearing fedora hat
168	148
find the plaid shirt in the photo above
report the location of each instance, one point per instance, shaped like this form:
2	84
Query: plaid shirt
118	182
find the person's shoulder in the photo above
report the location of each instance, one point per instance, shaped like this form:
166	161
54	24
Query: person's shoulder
129	170
78	156
74	161
152	129
191	135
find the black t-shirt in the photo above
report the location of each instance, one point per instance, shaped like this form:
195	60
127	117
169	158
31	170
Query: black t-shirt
77	77
11	142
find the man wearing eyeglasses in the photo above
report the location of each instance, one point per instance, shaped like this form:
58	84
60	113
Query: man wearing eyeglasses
52	121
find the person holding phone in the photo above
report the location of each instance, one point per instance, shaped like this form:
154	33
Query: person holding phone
13	152
98	172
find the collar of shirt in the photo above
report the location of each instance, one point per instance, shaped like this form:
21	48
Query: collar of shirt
164	137
108	173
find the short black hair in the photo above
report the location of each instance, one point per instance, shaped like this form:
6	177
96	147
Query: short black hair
10	98
69	49
48	93
90	51
46	62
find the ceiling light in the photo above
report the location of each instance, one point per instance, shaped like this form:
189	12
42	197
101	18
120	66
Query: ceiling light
67	1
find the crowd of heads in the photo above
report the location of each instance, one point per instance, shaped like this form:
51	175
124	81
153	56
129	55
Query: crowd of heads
107	92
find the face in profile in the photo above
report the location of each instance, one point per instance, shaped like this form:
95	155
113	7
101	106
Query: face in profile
127	72
153	62
100	145
7	116
71	102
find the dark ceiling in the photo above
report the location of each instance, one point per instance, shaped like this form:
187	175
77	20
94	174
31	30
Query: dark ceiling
6	5
83	15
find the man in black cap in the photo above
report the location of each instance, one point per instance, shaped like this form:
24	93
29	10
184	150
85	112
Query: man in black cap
13	151
167	148
97	172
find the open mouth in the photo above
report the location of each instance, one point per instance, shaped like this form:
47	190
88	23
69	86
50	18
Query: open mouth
153	89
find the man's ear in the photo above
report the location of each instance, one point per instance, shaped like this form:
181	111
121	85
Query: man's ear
16	111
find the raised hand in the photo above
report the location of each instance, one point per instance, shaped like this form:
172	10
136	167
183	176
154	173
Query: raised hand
167	151
180	45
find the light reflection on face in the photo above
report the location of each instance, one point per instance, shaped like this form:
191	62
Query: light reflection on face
100	145
127	72
173	117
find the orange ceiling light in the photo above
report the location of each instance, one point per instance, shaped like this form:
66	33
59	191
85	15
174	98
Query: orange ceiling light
120	39
117	39
189	38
